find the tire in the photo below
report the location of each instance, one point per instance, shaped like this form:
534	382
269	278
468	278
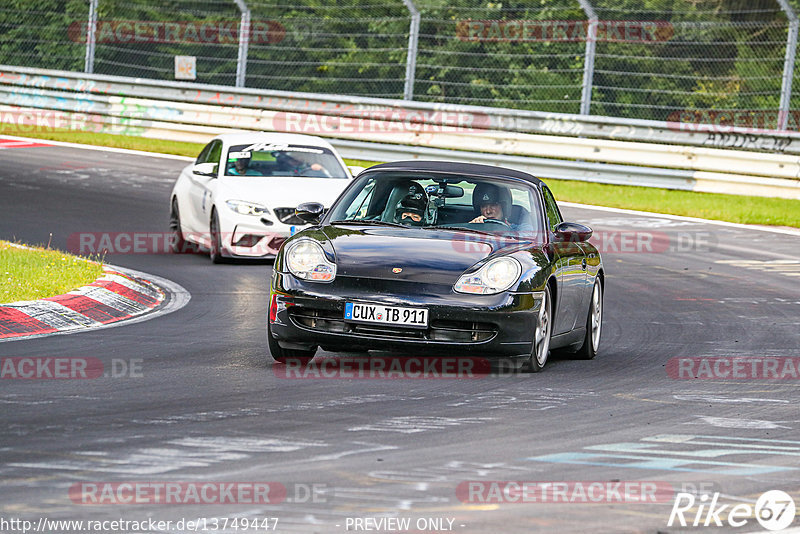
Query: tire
541	335
281	355
215	252
594	324
178	245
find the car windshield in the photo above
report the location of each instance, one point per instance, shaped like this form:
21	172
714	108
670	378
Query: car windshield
269	159
443	201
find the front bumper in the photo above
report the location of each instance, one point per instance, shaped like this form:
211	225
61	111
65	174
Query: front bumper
250	237
312	314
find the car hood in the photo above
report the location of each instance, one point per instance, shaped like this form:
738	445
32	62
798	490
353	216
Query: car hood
434	257
281	191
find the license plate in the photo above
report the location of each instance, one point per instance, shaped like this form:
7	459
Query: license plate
376	313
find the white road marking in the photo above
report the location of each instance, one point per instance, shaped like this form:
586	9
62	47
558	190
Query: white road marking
731	399
418	423
784	267
729	422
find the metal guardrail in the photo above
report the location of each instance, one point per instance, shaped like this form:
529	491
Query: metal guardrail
509	120
190	112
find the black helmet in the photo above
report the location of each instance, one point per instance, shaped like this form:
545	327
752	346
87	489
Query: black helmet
415	203
491	194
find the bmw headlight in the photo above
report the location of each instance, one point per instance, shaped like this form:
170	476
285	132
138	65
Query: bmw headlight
306	260
247	208
496	276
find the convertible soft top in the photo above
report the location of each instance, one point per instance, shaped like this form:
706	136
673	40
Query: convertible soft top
475	169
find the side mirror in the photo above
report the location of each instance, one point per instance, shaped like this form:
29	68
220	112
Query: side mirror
310	212
205	169
355	170
572	232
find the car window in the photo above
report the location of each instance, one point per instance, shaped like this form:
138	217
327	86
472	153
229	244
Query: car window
204	154
441	200
358	207
273	159
215	152
551	208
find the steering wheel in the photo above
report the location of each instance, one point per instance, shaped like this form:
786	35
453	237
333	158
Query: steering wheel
497	221
302	170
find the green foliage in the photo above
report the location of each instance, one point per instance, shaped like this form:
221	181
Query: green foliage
705	54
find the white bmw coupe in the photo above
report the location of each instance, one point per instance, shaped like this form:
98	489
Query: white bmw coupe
238	198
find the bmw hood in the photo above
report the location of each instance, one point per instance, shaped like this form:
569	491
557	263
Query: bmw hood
282	191
415	255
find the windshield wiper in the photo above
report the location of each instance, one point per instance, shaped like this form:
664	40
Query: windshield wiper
369	222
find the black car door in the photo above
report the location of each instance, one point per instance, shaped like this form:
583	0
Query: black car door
570	269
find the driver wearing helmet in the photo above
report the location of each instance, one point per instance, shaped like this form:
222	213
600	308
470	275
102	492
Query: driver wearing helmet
495	209
491	207
411	209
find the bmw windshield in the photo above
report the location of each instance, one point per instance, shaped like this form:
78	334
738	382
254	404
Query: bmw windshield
267	159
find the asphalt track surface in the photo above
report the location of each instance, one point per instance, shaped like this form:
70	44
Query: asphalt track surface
208	405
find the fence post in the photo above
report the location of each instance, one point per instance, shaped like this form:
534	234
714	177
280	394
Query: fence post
244	43
588	60
411	59
788	65
91	38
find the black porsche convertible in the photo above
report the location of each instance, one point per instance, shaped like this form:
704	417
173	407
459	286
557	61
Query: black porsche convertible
438	258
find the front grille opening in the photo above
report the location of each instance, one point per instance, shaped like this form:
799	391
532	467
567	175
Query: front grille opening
462	331
287	216
324	320
276	242
439	330
248	240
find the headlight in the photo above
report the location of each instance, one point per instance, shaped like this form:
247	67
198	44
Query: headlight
247	208
306	260
494	277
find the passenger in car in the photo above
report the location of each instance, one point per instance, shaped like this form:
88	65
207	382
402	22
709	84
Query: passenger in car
241	167
411	210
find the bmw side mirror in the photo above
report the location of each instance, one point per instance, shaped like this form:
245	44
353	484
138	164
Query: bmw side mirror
310	212
205	169
572	232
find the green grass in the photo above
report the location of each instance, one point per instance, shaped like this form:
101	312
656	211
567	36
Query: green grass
179	148
732	208
29	274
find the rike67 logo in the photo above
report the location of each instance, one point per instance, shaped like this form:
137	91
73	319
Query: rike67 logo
774	510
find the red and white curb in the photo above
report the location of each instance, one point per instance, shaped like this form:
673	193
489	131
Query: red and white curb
120	296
